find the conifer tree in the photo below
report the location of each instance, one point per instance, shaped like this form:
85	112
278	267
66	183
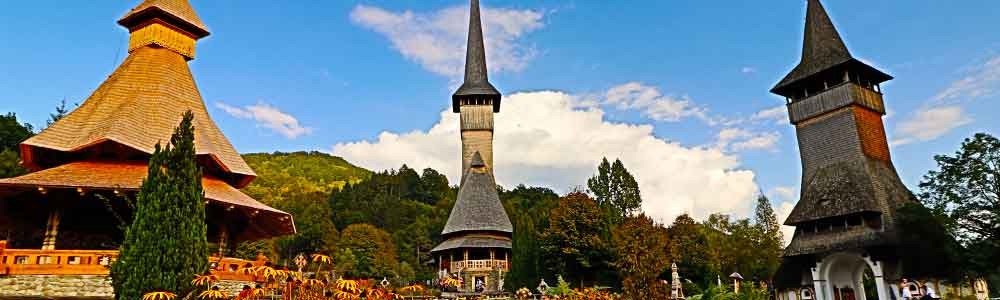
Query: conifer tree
771	240
165	246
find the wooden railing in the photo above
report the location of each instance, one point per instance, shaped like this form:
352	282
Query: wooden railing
98	262
56	262
483	264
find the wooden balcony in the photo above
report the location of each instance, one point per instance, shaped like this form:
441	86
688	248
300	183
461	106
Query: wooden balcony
98	262
479	265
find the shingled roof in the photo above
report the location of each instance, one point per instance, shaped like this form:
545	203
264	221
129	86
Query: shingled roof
177	12
128	176
477	82
822	50
138	106
478	207
849	187
473	241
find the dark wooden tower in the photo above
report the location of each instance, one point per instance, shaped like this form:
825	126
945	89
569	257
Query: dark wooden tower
850	189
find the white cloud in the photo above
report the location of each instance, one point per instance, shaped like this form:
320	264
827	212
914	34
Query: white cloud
738	139
930	123
544	138
748	70
783	193
269	117
652	103
782	211
775	114
786	197
437	40
980	81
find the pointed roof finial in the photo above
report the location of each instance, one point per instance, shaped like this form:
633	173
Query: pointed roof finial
477	161
176	12
822	49
822	41
477	83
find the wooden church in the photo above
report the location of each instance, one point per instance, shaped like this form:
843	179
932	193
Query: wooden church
62	218
478	233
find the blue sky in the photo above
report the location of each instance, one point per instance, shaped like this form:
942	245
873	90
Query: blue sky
678	89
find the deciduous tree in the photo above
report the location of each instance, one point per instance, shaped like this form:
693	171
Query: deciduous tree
641	256
373	249
573	245
616	190
965	188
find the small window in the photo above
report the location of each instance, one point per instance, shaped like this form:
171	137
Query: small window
20	260
73	260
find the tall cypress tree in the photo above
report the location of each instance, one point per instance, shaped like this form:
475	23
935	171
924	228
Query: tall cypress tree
165	246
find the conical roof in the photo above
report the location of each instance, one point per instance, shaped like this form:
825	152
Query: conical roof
477	82
478	207
177	12
137	107
822	49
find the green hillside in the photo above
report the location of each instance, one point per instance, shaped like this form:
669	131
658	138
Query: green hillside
279	173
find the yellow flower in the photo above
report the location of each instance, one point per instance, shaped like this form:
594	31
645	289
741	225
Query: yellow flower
452	282
412	288
342	295
213	295
347	285
159	296
204	280
269	273
246	270
257	292
320	258
313	283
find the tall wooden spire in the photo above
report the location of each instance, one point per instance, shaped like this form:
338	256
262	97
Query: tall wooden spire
477	83
822	51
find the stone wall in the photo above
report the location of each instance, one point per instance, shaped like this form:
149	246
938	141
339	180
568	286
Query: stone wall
56	286
95	287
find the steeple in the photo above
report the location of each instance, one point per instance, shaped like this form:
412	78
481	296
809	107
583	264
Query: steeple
477	85
478	207
848	179
823	52
170	24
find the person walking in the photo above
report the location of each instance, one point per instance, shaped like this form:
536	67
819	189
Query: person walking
929	293
904	290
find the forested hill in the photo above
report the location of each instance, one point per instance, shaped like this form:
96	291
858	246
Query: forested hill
312	171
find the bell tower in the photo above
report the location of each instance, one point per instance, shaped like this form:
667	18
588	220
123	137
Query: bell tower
846	213
476	100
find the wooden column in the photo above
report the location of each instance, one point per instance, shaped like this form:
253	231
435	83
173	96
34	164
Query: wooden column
223	240
51	230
